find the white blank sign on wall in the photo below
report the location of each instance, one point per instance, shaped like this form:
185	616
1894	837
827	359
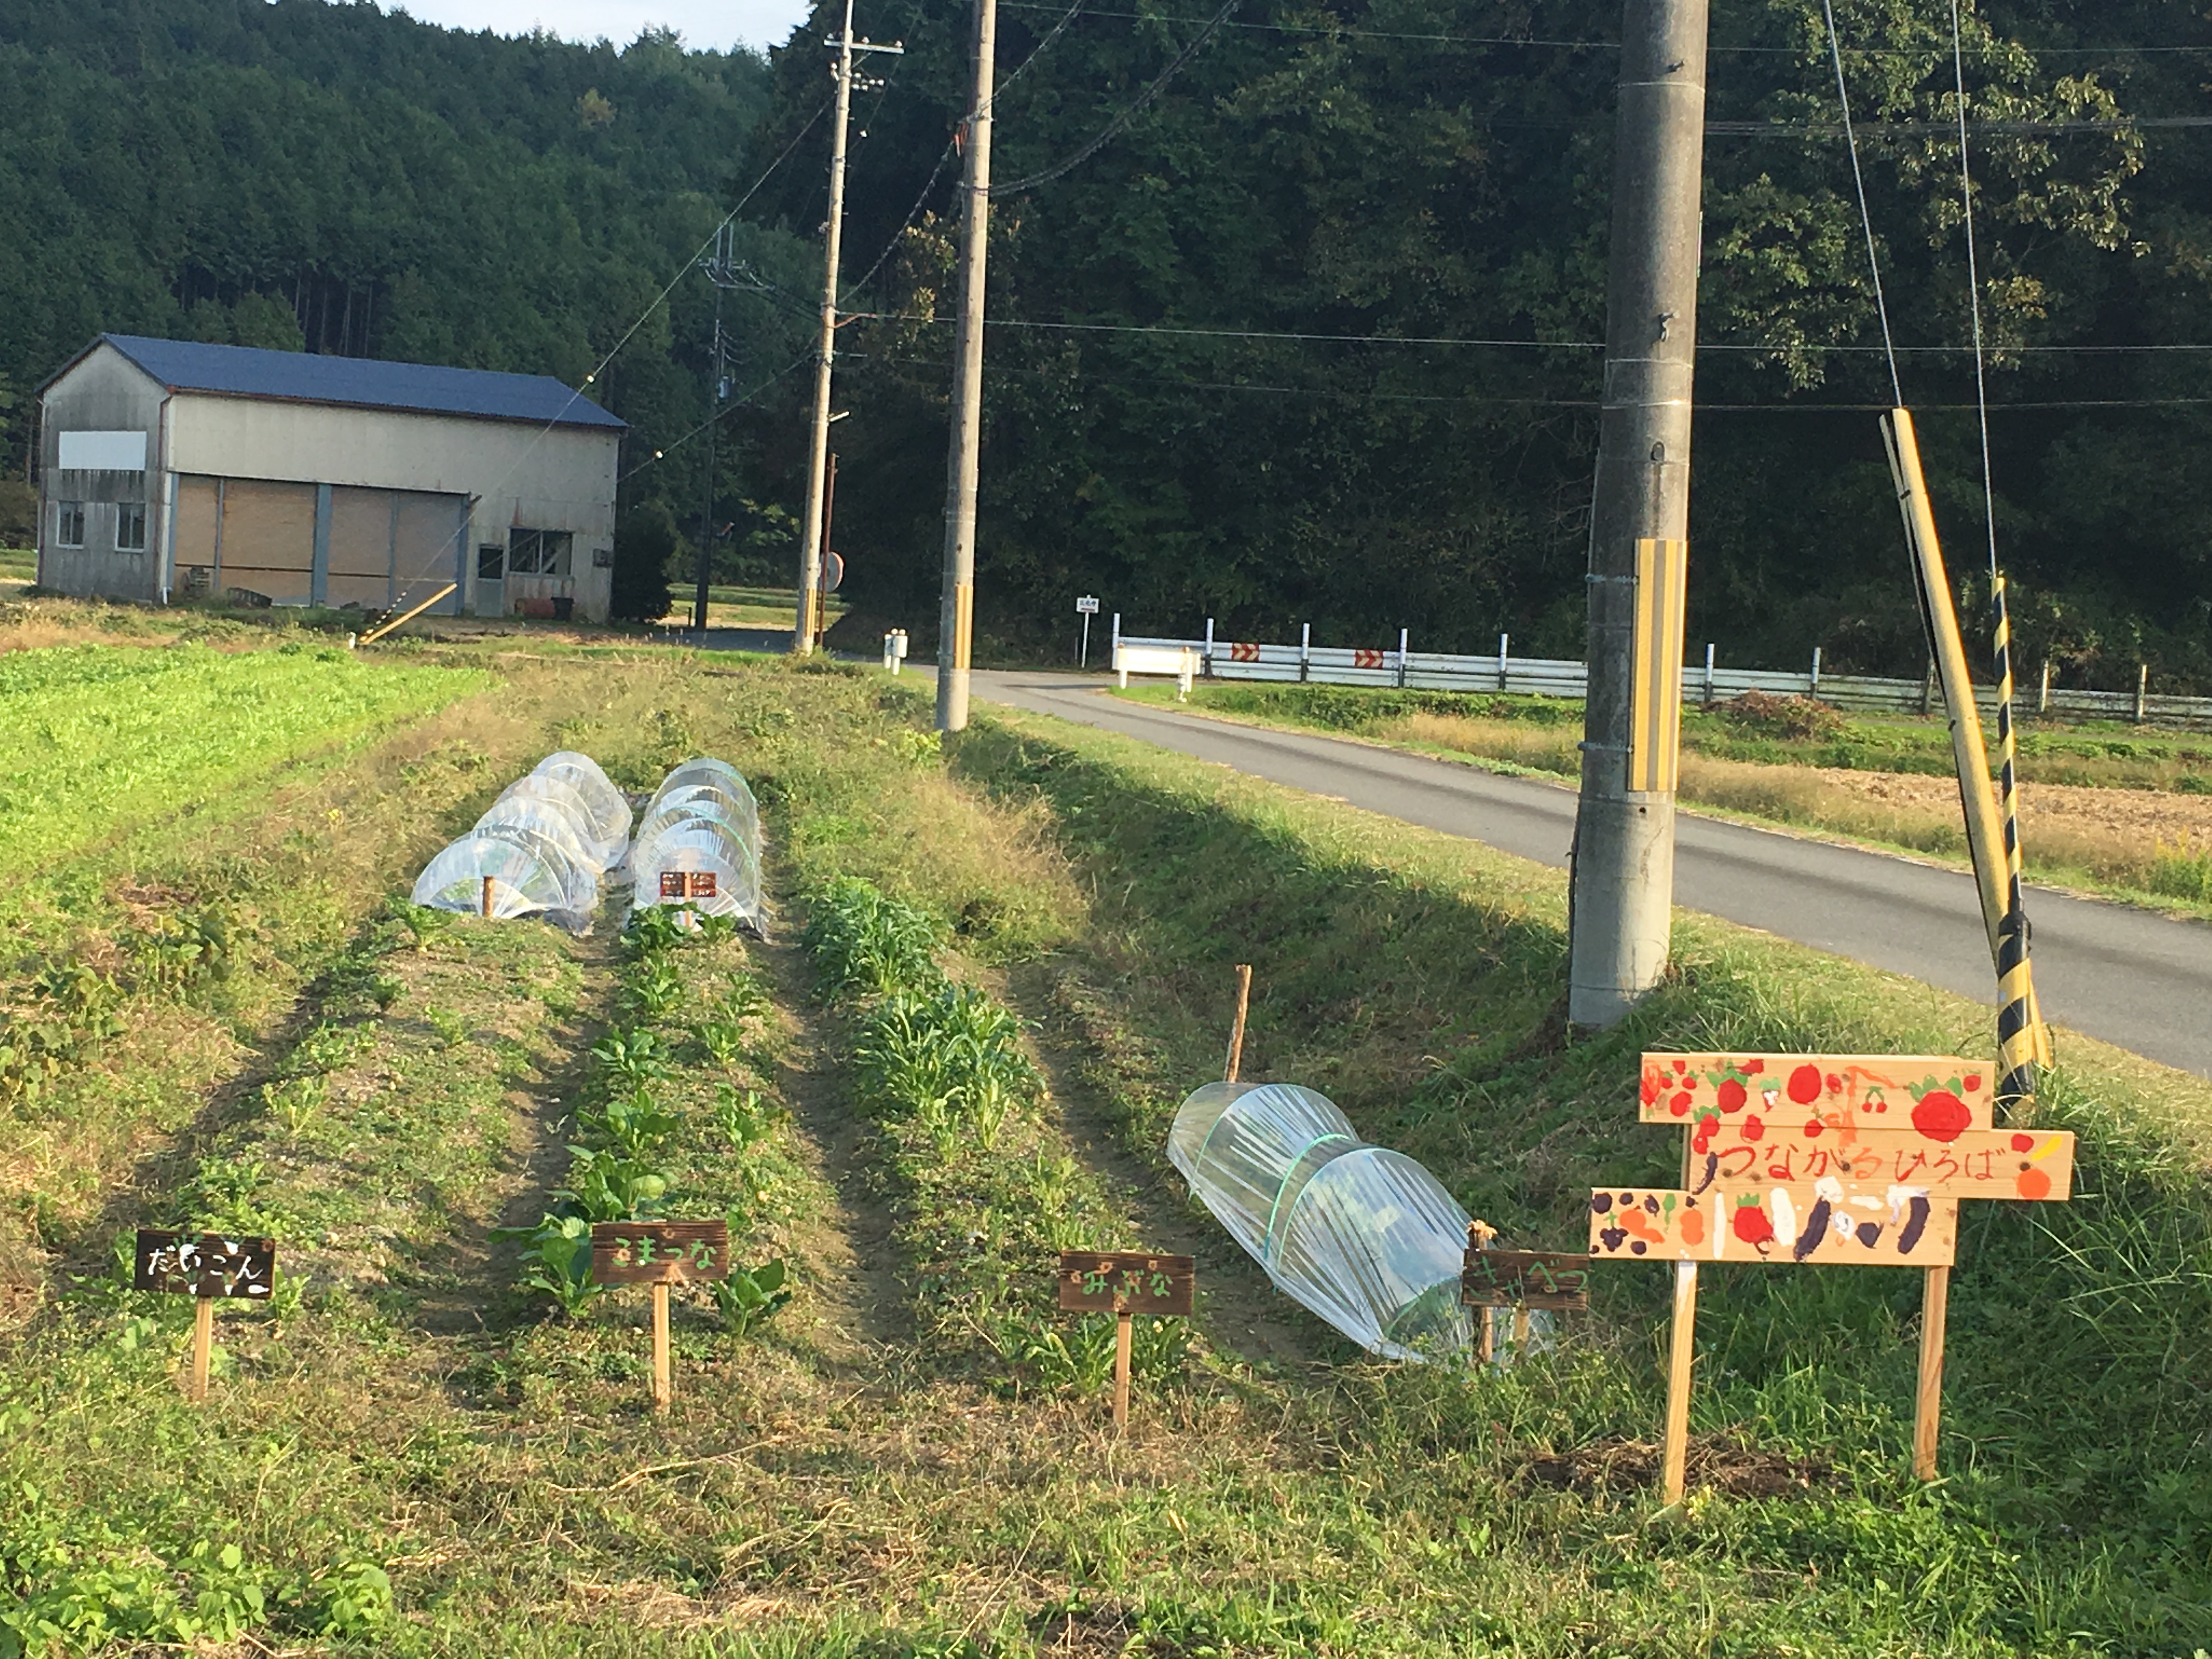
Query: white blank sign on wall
103	451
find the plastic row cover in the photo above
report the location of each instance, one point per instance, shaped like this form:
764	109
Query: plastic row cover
699	844
1362	1235
543	846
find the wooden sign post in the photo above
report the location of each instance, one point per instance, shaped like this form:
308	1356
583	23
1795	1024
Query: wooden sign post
660	1254
1847	1159
1235	1061
204	1265
687	883
1519	1280
1125	1283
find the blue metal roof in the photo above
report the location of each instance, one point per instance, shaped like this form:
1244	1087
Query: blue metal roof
363	382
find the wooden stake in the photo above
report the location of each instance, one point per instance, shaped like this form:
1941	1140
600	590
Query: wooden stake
202	1344
1521	1331
1236	1031
1682	1348
1928	1405
1122	1335
487	897
661	1387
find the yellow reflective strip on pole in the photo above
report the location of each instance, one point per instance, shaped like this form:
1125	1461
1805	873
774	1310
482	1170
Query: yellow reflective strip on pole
1656	719
964	624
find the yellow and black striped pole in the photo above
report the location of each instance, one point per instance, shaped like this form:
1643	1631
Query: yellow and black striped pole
2020	1041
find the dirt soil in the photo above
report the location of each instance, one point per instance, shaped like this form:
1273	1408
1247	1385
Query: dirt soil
2151	815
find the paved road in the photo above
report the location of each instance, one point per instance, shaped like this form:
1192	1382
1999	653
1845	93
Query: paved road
2126	976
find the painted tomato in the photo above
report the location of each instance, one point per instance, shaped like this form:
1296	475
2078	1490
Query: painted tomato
1805	1084
1754	1128
1940	1115
1680	1105
1732	1096
1751	1225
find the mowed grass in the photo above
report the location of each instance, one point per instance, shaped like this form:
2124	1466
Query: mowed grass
868	1476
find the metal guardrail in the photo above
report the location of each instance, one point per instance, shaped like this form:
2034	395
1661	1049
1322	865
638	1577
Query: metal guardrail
1703	682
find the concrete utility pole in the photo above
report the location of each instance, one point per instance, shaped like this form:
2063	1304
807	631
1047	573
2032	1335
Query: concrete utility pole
957	609
1624	868
810	545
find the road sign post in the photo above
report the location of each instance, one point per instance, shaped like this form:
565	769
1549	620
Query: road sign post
1086	606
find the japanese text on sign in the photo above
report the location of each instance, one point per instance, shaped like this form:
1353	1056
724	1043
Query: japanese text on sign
659	1252
687	883
1126	1281
204	1264
1525	1279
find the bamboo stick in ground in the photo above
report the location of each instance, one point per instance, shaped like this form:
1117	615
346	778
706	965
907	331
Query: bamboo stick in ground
1236	1063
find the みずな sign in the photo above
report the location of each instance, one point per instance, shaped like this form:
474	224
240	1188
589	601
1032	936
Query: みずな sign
1126	1282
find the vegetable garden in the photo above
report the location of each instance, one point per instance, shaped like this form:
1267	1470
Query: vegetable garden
990	976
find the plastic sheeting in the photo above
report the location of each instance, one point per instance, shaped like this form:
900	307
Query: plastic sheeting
703	821
1362	1236
610	811
544	845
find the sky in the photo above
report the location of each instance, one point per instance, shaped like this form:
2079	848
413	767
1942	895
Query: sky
716	23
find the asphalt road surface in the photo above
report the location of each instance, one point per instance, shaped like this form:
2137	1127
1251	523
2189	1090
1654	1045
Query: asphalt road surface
2126	976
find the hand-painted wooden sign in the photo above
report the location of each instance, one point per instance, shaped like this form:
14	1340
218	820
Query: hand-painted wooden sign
1126	1282
1525	1279
1821	1159
1973	1164
204	1265
687	883
659	1252
1810	1094
1817	1222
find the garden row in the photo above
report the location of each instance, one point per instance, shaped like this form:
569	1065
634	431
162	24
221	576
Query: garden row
984	1189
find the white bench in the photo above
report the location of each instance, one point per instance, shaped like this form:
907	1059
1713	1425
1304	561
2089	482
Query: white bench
1178	660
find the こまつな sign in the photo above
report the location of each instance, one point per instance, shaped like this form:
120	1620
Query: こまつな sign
659	1252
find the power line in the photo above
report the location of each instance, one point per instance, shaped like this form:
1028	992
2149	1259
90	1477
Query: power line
735	403
1335	30
1129	113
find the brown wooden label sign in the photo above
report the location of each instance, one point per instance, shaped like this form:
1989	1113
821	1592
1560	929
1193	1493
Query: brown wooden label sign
1126	1281
659	1252
687	883
1818	1224
1525	1279
204	1264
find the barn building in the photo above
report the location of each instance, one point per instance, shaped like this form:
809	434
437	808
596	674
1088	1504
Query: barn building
171	469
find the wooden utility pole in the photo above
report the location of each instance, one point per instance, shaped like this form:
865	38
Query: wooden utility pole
956	609
810	545
1624	862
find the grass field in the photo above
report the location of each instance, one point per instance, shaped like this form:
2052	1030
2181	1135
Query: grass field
414	1452
2120	812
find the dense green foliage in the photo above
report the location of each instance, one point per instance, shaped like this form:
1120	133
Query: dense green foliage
306	174
1437	168
1376	170
92	737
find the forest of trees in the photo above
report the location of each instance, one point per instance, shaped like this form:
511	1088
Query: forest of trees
1374	176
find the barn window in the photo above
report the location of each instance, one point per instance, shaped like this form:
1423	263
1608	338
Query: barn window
68	524
131	526
537	552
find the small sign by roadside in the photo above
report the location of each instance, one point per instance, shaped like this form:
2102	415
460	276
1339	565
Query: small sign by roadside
1126	1283
1087	605
660	1254
206	1265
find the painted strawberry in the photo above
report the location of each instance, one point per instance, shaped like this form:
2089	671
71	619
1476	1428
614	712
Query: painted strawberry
1732	1096
1751	1225
1754	1128
1940	1115
1805	1084
1680	1105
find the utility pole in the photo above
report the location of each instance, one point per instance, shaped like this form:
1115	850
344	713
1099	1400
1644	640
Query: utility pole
810	546
956	609
1624	864
722	269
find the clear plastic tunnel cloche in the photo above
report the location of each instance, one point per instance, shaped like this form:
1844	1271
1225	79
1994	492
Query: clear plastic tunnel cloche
531	874
1362	1236
610	811
701	823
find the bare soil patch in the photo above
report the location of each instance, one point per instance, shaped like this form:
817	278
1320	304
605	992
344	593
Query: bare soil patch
1722	1465
2147	815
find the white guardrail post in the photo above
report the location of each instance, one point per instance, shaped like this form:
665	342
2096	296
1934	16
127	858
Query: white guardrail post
1709	675
1305	651
1403	634
1205	660
1504	640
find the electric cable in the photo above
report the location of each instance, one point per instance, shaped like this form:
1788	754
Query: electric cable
1866	218
1129	112
739	402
